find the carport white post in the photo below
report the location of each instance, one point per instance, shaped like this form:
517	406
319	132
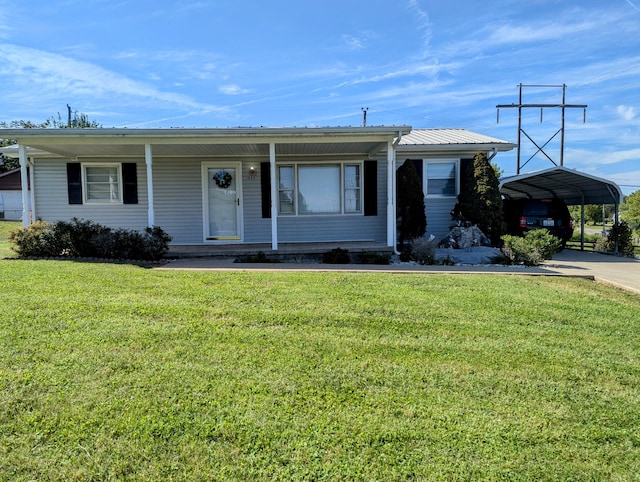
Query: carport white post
22	154
148	158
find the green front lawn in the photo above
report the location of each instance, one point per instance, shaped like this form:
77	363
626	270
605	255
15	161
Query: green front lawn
5	228
115	372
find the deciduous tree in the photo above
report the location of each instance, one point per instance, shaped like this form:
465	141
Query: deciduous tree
78	121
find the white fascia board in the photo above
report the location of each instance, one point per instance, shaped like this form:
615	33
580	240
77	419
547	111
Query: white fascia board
500	147
218	135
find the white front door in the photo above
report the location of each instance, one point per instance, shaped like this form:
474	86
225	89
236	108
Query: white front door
222	188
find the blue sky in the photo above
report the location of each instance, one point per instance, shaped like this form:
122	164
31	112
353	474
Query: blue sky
425	63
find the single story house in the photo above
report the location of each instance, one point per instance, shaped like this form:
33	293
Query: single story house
265	188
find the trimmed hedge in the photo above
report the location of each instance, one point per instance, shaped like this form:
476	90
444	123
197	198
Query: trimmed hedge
85	239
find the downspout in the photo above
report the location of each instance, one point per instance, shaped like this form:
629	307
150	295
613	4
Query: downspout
32	196
24	184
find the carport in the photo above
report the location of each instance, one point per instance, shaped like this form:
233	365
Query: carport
573	187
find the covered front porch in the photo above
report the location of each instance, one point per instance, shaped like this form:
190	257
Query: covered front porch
169	172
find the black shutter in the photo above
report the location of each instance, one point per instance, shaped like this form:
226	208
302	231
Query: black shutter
129	183
265	186
370	185
74	182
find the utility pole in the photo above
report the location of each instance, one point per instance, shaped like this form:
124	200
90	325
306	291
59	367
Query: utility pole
68	115
563	106
364	116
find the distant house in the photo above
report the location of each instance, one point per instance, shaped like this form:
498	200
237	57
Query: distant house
245	187
10	195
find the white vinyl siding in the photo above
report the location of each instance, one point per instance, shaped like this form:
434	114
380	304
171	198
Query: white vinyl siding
338	227
52	201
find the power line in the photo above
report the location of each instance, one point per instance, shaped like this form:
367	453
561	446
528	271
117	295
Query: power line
541	149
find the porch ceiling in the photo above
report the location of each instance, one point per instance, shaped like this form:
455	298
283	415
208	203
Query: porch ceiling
289	142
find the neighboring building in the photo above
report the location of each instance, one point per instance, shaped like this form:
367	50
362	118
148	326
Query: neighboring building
10	195
243	186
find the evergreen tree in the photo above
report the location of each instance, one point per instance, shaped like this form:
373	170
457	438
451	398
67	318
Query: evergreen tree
480	202
411	215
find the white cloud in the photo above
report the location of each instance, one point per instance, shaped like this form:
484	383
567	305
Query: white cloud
424	23
627	112
633	5
354	43
232	89
509	34
57	73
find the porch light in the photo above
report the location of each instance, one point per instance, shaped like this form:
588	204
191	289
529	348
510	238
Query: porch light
252	172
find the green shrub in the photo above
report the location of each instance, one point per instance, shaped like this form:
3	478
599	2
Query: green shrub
76	238
423	250
259	257
87	239
588	238
336	256
622	234
28	242
532	249
374	258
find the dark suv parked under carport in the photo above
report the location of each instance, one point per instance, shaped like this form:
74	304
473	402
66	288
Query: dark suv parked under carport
522	215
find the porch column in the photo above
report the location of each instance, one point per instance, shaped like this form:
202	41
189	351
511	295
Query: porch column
274	197
391	194
24	184
148	157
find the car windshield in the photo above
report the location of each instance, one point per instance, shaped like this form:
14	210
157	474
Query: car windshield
536	209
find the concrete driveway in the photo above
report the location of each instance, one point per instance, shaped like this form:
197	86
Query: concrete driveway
620	272
614	270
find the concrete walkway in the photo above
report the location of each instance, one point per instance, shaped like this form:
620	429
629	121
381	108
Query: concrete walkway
616	271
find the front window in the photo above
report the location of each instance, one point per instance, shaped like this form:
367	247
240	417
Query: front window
102	183
441	178
306	189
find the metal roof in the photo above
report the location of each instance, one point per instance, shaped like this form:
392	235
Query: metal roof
247	142
451	139
575	188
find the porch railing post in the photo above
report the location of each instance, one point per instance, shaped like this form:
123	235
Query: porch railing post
148	157
24	185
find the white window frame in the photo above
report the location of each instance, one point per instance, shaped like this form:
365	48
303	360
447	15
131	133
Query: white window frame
85	183
425	176
341	164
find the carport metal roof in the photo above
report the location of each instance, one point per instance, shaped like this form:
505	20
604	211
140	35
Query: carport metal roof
575	188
